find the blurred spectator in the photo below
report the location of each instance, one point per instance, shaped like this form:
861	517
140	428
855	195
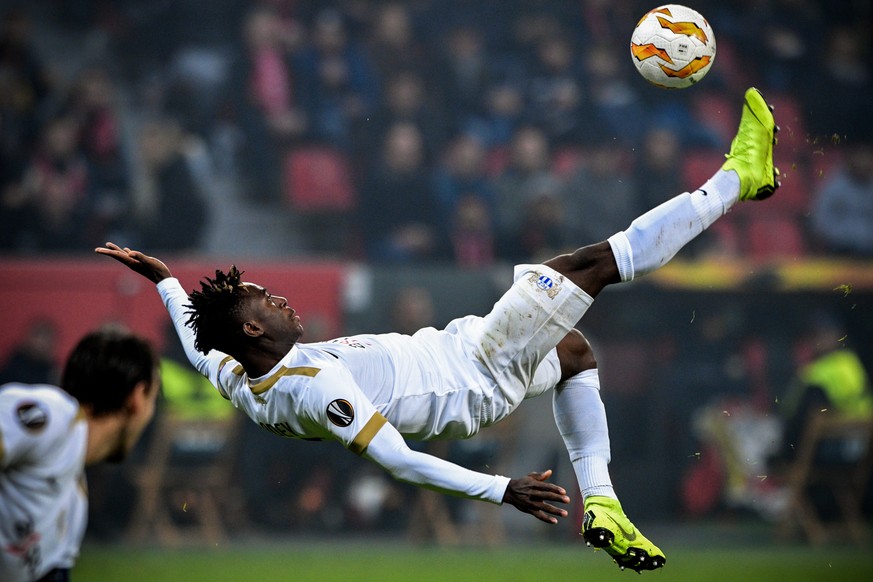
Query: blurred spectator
842	214
338	87
173	213
555	94
601	198
845	70
266	100
601	18
464	71
466	202
706	358
33	361
527	178
412	309
781	36
55	193
459	174
397	211
25	93
93	102
25	85
407	100
393	42
502	115
657	169
543	232
614	107
833	379
471	233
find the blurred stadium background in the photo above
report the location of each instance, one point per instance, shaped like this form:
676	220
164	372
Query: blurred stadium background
384	164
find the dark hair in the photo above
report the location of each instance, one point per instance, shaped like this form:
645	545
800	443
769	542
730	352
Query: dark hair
104	368
213	309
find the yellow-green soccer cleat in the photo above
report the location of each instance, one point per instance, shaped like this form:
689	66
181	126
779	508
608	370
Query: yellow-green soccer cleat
606	526
751	155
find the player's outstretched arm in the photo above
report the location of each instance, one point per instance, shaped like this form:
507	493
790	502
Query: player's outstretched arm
149	267
534	495
531	494
175	300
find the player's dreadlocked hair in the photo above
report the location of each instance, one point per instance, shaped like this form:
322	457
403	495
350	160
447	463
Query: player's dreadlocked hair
213	310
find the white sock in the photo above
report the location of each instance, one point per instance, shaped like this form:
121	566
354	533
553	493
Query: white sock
655	237
581	419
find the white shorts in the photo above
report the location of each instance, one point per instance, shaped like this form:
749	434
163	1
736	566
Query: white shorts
517	339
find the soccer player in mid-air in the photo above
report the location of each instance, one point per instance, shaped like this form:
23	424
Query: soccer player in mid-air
371	391
47	437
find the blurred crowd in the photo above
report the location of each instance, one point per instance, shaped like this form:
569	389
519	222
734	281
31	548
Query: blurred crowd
458	131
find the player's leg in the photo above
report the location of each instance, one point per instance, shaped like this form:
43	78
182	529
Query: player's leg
516	340
656	236
581	420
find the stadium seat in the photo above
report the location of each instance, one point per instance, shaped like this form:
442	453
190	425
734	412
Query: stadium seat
699	166
847	481
716	112
318	179
320	190
567	161
773	235
496	161
793	196
793	139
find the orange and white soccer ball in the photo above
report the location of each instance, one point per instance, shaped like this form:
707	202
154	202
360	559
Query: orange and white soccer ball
673	46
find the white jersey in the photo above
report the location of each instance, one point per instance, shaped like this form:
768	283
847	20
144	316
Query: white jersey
43	498
433	384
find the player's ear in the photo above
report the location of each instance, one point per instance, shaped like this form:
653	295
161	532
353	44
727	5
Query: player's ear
252	329
138	398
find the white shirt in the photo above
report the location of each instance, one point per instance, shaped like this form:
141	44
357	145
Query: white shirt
43	497
360	391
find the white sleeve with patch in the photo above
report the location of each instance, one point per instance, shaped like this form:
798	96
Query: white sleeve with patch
175	299
337	404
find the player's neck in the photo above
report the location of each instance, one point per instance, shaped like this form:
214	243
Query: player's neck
259	360
105	435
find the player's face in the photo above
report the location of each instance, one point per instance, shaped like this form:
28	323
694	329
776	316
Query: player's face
139	416
272	314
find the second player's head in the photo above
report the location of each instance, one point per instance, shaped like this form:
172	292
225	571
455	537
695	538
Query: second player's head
114	375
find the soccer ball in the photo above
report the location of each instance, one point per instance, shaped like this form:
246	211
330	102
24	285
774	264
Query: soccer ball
673	46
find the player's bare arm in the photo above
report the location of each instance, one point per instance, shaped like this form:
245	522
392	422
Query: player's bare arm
534	495
149	267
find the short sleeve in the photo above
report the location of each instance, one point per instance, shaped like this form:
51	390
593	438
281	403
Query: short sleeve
335	407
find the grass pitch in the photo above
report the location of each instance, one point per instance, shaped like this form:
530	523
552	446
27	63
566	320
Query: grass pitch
357	561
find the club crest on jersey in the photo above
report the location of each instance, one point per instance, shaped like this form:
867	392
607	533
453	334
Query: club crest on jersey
545	283
340	412
31	416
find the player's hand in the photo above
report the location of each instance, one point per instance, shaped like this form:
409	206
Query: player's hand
149	267
533	494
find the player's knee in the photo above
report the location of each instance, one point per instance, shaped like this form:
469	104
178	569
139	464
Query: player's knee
575	354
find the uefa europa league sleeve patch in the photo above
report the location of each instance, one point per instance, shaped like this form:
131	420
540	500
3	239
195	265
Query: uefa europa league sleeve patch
32	416
341	413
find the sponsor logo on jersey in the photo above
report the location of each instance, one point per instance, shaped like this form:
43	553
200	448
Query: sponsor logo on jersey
340	412
351	342
32	416
545	283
